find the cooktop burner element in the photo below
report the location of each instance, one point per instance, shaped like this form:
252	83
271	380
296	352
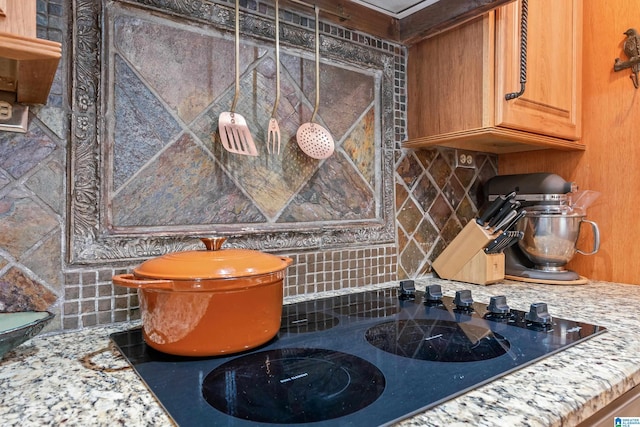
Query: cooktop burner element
293	385
303	318
439	341
371	358
370	305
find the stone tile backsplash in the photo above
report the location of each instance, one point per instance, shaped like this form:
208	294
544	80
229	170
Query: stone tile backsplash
160	123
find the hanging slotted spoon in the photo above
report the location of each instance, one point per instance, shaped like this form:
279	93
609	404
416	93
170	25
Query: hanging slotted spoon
273	136
234	132
313	139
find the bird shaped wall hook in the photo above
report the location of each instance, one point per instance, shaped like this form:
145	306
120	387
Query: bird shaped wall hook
631	48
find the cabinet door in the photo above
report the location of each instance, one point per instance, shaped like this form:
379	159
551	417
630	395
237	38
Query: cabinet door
449	80
18	17
551	101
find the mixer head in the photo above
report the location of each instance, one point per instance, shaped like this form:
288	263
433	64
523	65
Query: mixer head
532	188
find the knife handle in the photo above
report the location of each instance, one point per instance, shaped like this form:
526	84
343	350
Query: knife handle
513	222
511	214
494	207
503	212
491	210
491	247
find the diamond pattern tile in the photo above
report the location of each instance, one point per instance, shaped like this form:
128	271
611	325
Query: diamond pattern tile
360	148
466	176
4	180
401	195
142	125
426	157
409	169
22	223
20	293
466	210
425	192
453	192
426	235
409	216
182	186
440	211
153	108
411	257
20	153
440	170
448	195
177	52
333	194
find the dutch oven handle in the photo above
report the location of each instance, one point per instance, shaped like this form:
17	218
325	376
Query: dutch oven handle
129	281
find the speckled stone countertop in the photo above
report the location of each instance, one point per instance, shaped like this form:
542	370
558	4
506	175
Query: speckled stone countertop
63	379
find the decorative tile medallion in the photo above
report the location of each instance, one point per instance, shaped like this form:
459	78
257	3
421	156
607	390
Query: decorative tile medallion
160	172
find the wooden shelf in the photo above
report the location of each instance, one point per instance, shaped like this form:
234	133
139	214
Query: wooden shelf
36	62
494	140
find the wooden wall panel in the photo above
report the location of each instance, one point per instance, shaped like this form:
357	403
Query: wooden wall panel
611	132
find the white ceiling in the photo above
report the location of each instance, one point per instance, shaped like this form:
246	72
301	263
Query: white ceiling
396	8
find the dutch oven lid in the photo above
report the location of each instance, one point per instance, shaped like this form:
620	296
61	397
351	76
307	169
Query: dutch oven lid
212	263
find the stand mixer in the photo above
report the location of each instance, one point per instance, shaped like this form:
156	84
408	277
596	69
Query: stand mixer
555	212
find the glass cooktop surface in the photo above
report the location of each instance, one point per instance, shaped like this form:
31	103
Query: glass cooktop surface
371	358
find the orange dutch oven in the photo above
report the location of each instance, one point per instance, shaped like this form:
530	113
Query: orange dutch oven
209	302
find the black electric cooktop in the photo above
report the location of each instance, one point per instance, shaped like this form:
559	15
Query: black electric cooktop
370	358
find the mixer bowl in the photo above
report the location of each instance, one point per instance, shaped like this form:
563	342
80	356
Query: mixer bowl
549	240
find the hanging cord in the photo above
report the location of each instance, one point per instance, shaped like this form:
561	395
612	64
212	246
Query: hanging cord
523	52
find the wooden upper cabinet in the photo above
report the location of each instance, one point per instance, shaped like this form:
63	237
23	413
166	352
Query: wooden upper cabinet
457	82
27	64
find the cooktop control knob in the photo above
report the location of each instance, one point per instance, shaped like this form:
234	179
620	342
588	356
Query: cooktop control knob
407	289
463	299
433	293
498	305
538	314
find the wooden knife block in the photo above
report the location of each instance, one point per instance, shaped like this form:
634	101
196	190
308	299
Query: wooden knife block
465	260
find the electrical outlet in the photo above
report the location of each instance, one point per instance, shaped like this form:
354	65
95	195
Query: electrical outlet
465	159
13	117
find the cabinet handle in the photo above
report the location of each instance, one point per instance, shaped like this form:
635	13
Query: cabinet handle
523	52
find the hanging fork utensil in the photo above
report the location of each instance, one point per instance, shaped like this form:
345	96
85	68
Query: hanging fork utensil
273	137
234	132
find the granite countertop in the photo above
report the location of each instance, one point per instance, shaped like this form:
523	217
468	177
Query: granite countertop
67	378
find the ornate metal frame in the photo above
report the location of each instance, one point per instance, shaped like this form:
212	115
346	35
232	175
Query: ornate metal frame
90	241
